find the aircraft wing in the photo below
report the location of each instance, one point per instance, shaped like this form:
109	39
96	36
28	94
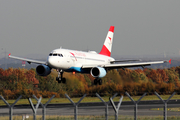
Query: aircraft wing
116	61
125	65
27	60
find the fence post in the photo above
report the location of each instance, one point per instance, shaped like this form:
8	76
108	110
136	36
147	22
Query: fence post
75	105
165	103
34	109
44	106
10	106
135	103
106	104
118	106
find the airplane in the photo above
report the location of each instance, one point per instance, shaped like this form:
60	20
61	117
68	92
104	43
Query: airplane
91	62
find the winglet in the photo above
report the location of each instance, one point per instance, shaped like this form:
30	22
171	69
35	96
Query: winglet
9	54
170	61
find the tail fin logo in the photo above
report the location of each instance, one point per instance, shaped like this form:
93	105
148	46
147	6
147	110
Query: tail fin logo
109	38
106	49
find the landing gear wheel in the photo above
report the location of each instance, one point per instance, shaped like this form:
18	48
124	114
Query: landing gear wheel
100	81
58	79
95	81
64	80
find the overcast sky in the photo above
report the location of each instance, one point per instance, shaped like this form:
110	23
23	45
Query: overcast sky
141	27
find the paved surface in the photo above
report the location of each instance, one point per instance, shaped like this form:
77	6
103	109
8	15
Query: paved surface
127	108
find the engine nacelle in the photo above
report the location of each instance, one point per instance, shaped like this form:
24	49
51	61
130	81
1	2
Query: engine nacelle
98	72
43	70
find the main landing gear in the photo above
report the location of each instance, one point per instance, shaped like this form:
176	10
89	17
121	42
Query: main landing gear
60	77
97	81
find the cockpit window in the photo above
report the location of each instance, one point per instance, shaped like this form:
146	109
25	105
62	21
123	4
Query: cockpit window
55	54
60	55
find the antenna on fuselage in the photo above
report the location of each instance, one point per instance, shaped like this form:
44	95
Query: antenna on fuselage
60	47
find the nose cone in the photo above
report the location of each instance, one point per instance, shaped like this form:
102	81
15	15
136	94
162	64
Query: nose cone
52	62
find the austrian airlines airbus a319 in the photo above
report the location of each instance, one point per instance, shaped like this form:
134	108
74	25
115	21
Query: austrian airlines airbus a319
96	64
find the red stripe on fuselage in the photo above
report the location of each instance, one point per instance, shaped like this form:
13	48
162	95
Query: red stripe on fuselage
105	51
73	55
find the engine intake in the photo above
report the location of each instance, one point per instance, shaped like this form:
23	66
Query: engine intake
43	70
98	72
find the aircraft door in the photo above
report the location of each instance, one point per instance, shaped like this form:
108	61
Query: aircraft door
70	61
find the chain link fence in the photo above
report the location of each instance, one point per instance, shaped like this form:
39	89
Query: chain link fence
104	110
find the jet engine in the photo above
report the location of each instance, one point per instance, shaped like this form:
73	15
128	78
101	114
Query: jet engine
43	70
98	72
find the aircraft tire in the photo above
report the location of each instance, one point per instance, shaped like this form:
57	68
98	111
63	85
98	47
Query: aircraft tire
64	80
100	81
58	78
59	81
95	81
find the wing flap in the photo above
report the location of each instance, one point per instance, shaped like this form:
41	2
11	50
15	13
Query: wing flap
124	61
27	60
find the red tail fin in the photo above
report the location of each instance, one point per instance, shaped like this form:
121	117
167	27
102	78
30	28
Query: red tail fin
106	49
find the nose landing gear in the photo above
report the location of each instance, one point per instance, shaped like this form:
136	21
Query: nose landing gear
60	77
98	81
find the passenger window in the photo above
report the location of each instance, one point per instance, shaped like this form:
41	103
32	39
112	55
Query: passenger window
54	54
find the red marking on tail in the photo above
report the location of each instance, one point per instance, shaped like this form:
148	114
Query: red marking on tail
105	51
170	61
9	54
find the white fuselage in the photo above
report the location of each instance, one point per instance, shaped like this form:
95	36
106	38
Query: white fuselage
72	60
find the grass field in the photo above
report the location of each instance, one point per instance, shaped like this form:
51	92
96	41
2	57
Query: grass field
56	117
89	99
168	109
